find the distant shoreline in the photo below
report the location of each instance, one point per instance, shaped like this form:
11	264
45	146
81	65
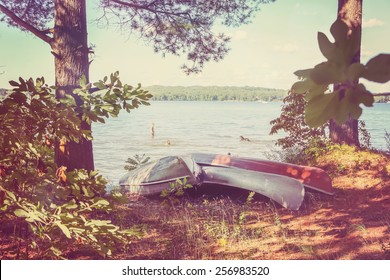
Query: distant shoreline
216	93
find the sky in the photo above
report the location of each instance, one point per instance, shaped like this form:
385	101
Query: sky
281	39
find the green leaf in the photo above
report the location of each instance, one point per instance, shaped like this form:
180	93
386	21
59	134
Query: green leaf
39	82
305	73
101	202
101	120
315	91
68	100
354	71
11	195
64	229
378	69
327	73
326	47
13	83
302	87
100	85
92	237
83	81
347	108
320	109
108	108
361	95
21	213
70	205
339	30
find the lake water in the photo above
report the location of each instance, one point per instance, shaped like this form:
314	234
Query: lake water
210	127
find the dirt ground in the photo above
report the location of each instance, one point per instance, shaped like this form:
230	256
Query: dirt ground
352	224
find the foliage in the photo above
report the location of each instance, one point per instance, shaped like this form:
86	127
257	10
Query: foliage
299	134
107	98
175	191
175	27
54	204
365	136
387	139
336	159
343	159
303	155
345	100
292	121
38	13
171	27
215	93
136	161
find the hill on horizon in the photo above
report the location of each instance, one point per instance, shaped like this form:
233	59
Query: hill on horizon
215	93
211	93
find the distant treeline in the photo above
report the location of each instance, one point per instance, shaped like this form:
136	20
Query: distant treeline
215	93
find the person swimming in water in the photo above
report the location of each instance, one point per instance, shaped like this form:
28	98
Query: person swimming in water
152	130
242	138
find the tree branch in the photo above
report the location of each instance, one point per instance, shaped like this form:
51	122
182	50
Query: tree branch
25	25
148	8
133	5
381	94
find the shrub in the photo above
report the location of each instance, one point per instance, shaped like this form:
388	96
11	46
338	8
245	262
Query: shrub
387	139
50	205
292	121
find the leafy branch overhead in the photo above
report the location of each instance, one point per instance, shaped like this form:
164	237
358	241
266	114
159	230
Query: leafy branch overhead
345	99
182	27
170	27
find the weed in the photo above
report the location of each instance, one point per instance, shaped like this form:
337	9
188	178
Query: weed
175	191
136	161
387	139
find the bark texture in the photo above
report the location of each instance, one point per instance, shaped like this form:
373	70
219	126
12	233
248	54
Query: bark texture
70	49
350	11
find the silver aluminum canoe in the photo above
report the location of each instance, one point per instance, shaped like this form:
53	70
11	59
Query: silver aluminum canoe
286	191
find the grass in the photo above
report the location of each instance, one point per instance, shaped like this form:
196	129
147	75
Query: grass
352	224
223	228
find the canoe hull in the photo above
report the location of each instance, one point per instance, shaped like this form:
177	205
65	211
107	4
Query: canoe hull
286	191
311	177
157	176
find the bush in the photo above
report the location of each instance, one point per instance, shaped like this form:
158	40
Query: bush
387	139
292	121
49	205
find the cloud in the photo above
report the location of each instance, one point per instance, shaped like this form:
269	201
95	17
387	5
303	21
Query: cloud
286	48
372	22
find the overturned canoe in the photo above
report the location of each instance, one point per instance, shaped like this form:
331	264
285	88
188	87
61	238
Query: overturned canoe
311	177
157	176
286	191
154	177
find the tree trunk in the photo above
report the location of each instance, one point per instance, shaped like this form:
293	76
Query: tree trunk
350	11
70	49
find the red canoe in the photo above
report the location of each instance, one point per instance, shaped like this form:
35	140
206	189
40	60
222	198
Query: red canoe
311	177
